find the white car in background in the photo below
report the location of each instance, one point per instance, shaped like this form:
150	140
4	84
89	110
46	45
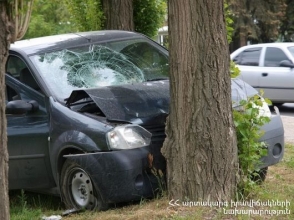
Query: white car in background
268	67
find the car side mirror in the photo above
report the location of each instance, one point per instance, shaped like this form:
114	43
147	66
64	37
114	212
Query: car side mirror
19	107
235	60
286	63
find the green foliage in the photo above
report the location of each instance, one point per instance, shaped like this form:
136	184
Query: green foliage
287	27
21	211
234	70
149	16
258	21
229	23
48	18
161	190
87	15
248	121
57	17
26	205
288	158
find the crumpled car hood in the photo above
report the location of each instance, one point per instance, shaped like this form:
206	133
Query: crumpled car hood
128	102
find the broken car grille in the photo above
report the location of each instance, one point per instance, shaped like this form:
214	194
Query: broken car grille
157	131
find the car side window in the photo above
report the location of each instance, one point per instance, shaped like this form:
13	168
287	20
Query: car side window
17	68
249	57
11	94
14	65
274	56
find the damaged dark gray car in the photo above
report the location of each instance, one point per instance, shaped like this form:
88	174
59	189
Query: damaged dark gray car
86	116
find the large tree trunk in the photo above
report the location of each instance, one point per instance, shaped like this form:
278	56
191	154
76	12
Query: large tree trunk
119	14
201	146
4	46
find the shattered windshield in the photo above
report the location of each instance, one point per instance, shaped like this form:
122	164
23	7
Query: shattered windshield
92	66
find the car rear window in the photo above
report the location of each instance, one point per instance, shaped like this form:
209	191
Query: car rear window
291	49
249	57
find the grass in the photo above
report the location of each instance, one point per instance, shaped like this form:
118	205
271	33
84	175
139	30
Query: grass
30	206
278	187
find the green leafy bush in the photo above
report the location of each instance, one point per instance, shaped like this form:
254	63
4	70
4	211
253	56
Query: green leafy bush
149	15
248	121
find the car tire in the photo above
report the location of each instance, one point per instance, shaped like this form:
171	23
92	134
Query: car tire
260	175
77	190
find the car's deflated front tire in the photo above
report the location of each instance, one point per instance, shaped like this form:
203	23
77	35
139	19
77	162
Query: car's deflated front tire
77	189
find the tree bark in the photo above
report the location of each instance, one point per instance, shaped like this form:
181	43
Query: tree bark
119	14
5	36
201	146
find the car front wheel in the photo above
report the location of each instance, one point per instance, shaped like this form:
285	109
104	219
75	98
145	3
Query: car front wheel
77	189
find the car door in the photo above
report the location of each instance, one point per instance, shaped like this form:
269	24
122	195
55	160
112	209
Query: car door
248	62
29	164
276	81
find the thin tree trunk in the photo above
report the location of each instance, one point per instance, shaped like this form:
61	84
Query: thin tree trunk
119	14
243	36
201	147
5	31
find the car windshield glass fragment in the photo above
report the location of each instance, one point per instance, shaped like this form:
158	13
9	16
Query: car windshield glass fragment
93	66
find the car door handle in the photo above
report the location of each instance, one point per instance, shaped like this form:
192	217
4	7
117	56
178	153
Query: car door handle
264	74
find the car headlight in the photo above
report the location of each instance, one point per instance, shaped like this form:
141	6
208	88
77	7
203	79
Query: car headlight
128	137
264	109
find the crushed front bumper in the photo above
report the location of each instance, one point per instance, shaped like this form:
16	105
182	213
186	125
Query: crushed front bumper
119	176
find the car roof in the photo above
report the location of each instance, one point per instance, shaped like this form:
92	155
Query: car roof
276	44
279	44
54	42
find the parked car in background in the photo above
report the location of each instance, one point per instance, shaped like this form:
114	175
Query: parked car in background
86	116
269	67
